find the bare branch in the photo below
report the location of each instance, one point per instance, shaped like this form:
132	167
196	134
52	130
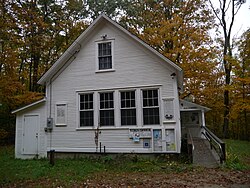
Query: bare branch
237	9
228	5
216	14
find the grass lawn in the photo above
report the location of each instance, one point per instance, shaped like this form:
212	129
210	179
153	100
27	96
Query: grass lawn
72	172
238	154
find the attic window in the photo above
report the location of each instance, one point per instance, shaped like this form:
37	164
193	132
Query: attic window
105	55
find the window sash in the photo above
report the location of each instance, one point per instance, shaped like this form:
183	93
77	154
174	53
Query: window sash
86	110
151	116
86	118
105	55
107	117
128	116
128	108
151	111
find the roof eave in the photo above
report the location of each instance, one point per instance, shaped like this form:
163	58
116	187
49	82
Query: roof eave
206	109
28	106
67	54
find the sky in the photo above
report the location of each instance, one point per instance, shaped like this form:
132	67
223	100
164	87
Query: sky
242	19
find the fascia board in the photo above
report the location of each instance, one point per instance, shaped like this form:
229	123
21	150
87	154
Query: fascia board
28	106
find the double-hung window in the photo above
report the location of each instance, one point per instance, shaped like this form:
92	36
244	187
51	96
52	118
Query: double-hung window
128	108
150	107
107	109
105	55
86	110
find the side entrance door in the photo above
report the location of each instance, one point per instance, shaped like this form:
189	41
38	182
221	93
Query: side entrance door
30	134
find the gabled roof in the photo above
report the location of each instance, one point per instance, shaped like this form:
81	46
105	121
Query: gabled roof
76	45
28	106
188	106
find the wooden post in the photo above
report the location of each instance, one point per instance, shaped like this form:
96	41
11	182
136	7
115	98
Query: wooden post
52	157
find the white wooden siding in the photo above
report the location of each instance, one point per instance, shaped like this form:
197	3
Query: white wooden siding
134	66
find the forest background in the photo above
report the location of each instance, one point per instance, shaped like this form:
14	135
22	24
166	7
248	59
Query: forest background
34	33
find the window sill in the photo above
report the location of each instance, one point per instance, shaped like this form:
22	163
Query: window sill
169	121
60	125
105	70
85	128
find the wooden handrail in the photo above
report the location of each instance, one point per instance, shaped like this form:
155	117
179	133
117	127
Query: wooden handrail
213	139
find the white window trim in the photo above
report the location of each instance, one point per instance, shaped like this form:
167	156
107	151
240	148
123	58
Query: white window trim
79	110
136	107
112	53
65	112
117	106
159	105
99	108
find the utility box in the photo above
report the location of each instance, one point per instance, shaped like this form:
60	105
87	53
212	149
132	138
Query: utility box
50	123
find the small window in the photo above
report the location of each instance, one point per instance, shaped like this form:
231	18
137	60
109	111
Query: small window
86	110
150	107
105	55
61	114
107	109
128	108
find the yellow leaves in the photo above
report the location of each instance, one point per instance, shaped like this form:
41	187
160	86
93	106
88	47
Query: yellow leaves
14	94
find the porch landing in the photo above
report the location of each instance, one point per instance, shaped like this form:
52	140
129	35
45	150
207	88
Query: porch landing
203	155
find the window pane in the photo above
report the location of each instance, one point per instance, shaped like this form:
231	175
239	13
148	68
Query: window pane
86	118
128	117
151	116
106	117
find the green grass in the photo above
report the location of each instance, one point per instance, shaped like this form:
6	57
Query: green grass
65	170
238	154
68	172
